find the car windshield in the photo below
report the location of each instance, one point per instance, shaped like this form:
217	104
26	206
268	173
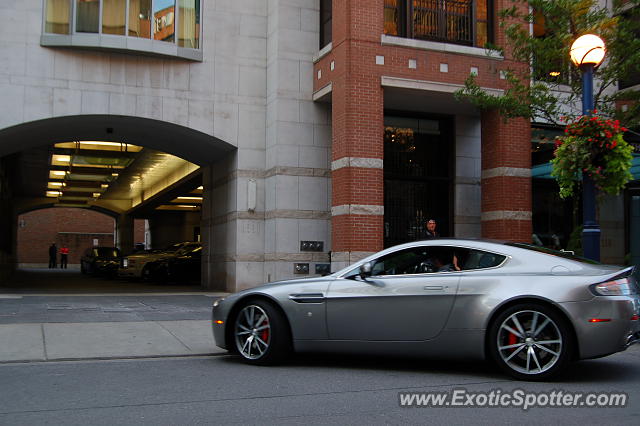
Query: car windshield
564	254
106	252
189	248
173	247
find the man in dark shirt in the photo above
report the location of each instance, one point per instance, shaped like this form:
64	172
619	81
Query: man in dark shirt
431	230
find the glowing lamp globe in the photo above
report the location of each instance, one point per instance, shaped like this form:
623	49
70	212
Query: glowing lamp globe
587	50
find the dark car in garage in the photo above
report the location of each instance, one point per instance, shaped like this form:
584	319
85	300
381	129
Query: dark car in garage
181	266
100	261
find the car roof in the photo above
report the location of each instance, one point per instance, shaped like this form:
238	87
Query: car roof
495	246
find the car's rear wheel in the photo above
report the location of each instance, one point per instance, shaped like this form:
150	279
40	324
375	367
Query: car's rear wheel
146	274
260	333
530	342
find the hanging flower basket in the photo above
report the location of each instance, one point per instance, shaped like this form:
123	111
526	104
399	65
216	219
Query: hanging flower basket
594	146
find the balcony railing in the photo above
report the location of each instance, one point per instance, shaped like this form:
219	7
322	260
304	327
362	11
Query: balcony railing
443	21
464	22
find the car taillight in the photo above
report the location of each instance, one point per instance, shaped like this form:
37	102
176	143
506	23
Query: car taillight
619	287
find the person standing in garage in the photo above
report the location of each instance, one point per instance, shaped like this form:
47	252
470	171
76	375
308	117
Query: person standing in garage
64	254
53	254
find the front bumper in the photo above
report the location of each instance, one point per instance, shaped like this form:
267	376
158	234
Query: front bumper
617	330
218	313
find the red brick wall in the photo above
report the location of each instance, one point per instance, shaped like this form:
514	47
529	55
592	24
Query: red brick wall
506	144
75	227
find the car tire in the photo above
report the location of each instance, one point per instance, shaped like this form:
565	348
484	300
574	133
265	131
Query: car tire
145	275
531	341
260	333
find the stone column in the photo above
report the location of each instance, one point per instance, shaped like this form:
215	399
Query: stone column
125	234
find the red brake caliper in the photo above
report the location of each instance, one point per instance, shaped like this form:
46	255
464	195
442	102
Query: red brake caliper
265	333
512	340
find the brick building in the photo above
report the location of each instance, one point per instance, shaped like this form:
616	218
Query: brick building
386	75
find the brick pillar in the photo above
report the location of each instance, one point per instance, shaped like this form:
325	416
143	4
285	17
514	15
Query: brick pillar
357	133
506	178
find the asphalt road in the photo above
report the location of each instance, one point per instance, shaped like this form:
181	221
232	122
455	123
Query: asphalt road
219	389
308	390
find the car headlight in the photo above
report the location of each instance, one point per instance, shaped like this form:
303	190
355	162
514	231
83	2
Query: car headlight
217	302
620	287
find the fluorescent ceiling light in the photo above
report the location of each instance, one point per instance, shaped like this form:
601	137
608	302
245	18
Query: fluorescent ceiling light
99	145
60	160
54	193
75	198
57	174
178	207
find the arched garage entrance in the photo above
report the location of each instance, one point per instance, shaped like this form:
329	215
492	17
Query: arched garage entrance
130	167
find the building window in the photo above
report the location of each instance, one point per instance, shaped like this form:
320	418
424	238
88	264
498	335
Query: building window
113	17
633	77
140	18
57	17
467	22
163	20
87	16
554	219
558	70
148	19
325	23
189	25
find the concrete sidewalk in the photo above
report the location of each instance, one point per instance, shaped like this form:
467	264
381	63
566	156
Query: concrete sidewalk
103	340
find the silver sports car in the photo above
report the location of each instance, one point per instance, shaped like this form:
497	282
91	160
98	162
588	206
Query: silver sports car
529	309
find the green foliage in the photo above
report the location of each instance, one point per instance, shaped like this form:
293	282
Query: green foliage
531	92
596	147
575	241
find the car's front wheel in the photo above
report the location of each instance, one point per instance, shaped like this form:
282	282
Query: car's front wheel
530	342
260	333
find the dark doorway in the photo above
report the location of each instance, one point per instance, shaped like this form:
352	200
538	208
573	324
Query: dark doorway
418	176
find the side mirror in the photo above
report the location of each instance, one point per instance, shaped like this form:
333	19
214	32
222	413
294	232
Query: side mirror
365	270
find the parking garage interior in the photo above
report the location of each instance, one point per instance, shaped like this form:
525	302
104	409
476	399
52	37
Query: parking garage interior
143	176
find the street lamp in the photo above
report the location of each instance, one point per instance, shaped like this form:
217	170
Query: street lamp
587	52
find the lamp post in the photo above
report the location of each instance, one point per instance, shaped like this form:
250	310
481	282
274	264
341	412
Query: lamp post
587	52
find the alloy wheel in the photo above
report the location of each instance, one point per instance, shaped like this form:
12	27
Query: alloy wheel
252	332
529	342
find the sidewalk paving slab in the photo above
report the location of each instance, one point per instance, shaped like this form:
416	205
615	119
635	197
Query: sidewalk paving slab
21	342
66	341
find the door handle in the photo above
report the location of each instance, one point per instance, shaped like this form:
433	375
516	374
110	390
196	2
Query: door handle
434	287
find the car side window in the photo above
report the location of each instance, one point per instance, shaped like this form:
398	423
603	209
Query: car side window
478	259
408	261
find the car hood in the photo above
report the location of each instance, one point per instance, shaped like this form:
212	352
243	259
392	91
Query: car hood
265	287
